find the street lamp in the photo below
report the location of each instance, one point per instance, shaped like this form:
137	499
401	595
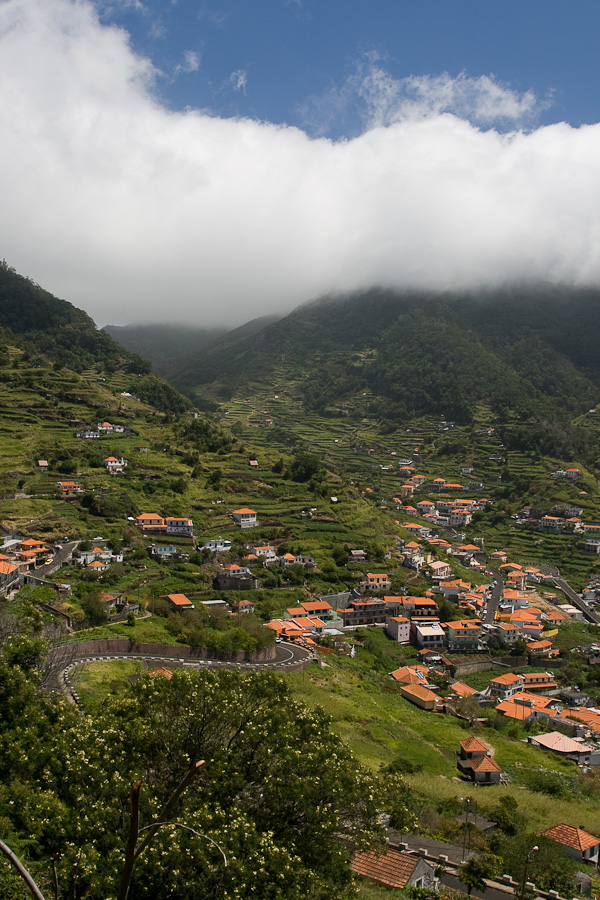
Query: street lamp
527	858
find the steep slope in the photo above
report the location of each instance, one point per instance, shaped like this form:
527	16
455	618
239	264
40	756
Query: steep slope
527	350
164	345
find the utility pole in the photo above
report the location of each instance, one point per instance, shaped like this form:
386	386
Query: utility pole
527	858
467	801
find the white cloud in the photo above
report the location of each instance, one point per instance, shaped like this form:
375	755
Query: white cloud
374	96
239	80
135	212
191	63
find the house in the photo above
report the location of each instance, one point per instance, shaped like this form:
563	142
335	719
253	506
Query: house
576	842
217	545
539	681
414	607
243	606
440	570
508	633
541	649
461	690
177	525
589	717
150	522
320	608
463	634
9	576
420	696
411	675
253	464
475	762
395	869
265	552
376	581
43	465
583	754
69	488
114	466
504	686
109	599
428	635
398	628
357	556
179	602
370	611
244	517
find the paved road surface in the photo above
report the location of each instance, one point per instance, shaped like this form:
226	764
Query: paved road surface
576	600
492	604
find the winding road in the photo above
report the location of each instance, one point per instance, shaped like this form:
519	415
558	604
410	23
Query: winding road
62	660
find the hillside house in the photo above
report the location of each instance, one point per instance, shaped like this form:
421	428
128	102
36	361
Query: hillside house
43	465
243	606
440	571
370	611
539	681
320	608
244	517
463	634
114	466
503	687
398	628
568	748
69	488
420	696
178	602
265	552
507	633
541	649
394	869
151	523
427	635
476	763
217	545
357	556
414	607
9	576
376	581
576	842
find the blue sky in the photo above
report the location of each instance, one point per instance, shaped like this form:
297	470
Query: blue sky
278	60
170	160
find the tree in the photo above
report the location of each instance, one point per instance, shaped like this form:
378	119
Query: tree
474	872
279	793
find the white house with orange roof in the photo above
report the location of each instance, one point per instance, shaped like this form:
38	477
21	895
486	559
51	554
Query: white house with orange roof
244	517
504	686
114	465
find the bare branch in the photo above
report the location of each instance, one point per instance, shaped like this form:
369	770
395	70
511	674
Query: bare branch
134	819
187	828
168	807
16	862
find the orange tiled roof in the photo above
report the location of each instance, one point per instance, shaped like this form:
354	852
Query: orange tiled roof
484	764
474	744
569	836
392	868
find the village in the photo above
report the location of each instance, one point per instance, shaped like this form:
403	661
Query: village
474	615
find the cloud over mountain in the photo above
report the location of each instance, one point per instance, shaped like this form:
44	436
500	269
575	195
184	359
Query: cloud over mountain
133	211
